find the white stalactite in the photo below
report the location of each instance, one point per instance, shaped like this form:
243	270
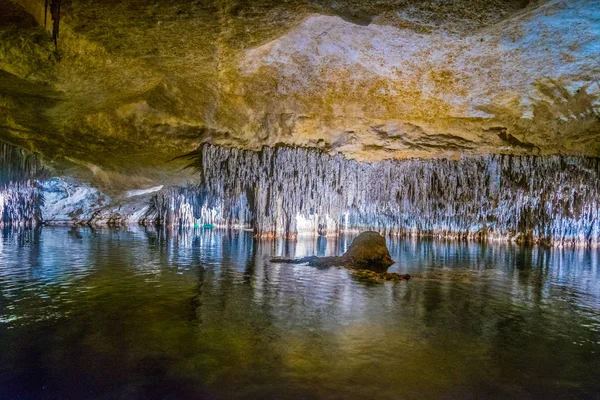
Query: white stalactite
550	199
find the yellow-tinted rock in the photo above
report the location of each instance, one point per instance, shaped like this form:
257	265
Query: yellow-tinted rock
136	83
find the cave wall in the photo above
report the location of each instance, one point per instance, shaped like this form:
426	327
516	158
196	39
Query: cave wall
285	191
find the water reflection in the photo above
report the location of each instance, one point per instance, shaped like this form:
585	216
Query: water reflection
144	313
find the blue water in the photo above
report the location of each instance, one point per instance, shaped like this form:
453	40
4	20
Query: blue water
146	314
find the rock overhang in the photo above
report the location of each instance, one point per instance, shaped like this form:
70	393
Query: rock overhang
135	83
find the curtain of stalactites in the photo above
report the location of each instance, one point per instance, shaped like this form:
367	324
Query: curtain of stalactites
20	196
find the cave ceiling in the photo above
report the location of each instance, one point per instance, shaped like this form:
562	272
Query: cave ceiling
136	83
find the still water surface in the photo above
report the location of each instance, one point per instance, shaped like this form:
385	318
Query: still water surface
141	314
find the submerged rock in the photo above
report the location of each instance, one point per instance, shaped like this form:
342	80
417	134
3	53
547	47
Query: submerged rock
372	276
368	251
319	262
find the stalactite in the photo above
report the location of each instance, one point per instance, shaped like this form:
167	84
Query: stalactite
191	206
45	13
18	165
176	207
281	190
20	196
55	12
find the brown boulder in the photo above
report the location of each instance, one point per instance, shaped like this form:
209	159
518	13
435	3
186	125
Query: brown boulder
369	251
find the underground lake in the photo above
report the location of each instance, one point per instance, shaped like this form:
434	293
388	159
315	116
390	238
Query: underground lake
144	313
299	199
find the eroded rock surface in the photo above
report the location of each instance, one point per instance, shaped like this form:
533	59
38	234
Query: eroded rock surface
136	83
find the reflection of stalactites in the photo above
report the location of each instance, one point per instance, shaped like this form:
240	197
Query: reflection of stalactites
195	304
55	12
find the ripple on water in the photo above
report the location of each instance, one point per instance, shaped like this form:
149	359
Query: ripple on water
190	313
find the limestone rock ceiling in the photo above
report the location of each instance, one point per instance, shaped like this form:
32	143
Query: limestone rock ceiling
136	83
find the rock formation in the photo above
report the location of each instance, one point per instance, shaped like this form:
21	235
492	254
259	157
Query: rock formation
140	82
465	119
21	197
368	251
284	191
543	199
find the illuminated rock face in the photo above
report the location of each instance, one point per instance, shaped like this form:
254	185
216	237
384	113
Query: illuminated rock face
384	91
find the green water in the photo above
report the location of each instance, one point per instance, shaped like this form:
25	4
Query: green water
141	314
